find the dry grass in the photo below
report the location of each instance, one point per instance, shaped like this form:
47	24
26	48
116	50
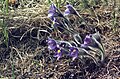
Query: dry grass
28	58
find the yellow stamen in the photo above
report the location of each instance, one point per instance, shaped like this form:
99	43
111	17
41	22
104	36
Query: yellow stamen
58	51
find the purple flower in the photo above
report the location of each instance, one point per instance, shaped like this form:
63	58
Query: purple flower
73	52
70	10
52	45
58	53
56	22
52	12
87	41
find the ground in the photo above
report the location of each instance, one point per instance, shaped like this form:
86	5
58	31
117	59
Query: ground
27	56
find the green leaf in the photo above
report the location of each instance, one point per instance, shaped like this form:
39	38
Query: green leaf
77	38
95	38
86	53
98	52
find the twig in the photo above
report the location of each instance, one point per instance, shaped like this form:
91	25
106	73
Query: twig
18	52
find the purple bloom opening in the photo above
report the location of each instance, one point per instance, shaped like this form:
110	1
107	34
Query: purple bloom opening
58	53
52	12
87	41
73	52
70	10
52	45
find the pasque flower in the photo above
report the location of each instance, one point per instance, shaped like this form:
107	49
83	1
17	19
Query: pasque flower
87	41
52	45
58	53
70	10
52	12
73	52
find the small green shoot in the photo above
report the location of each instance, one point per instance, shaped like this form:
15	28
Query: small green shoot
4	31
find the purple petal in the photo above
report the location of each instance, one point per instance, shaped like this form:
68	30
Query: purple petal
51	44
53	12
67	12
51	41
50	15
58	53
51	47
74	52
70	10
74	58
56	23
87	39
52	9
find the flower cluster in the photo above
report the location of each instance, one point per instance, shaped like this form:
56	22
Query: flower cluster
78	46
90	41
59	49
54	12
